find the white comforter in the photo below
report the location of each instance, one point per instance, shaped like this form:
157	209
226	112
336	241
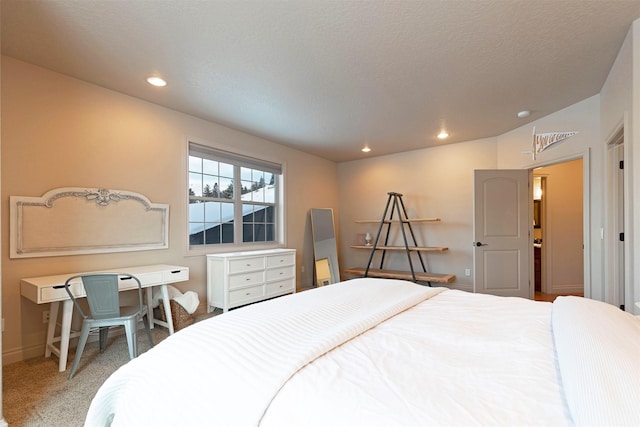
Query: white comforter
365	352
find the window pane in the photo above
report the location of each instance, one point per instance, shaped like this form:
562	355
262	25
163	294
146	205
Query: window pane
246	190
259	233
212	212
258	214
270	193
227	212
226	188
195	164
269	214
210	167
245	174
258	177
227	232
196	212
247	213
269	178
196	238
226	170
270	232
210	184
247	233
195	228
212	234
195	184
258	195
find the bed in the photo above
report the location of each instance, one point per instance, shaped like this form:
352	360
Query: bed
376	352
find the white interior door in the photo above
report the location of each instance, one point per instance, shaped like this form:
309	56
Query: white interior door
617	209
501	226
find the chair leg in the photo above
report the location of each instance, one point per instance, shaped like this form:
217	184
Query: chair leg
84	334
104	334
145	320
130	330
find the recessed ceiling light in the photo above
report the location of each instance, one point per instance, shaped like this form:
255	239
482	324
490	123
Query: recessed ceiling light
366	149
524	113
443	134
156	81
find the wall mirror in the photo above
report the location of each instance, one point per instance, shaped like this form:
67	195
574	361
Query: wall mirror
325	250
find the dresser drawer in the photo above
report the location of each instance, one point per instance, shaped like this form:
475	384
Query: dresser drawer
245	295
279	287
281	259
280	273
246	264
246	279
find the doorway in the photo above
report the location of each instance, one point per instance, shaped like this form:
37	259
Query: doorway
558	234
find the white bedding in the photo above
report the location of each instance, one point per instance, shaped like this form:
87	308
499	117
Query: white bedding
599	361
457	359
364	352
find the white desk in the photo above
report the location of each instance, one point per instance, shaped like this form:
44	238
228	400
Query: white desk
41	291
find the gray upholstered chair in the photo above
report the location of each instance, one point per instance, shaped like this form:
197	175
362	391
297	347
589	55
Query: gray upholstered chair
103	297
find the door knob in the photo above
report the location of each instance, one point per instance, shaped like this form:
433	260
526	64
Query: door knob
479	244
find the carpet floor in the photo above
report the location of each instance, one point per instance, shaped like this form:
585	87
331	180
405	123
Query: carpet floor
36	394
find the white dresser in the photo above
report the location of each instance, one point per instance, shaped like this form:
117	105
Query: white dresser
239	278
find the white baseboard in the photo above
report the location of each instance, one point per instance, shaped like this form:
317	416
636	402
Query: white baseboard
566	289
24	353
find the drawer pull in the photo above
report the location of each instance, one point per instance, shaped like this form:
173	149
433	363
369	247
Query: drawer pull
175	271
248	293
281	260
248	265
281	273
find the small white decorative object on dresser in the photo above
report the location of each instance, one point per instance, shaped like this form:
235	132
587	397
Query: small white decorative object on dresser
240	278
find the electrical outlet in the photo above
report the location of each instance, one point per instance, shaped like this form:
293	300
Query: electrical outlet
302	269
45	316
467	272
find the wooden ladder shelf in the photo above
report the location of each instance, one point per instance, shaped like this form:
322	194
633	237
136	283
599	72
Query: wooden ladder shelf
395	205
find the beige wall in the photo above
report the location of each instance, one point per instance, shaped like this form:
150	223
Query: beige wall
435	182
61	132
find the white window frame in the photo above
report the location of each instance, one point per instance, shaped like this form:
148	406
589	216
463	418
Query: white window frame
230	154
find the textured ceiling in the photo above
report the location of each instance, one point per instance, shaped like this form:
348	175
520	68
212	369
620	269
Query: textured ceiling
328	77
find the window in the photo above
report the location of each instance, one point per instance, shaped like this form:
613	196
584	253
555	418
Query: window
233	199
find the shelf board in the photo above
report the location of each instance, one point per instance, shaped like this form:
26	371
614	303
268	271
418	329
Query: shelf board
387	221
402	248
403	275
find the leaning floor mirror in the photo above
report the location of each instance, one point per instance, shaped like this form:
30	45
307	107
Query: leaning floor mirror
325	250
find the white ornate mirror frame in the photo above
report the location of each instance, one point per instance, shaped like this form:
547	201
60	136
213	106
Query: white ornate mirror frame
73	221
